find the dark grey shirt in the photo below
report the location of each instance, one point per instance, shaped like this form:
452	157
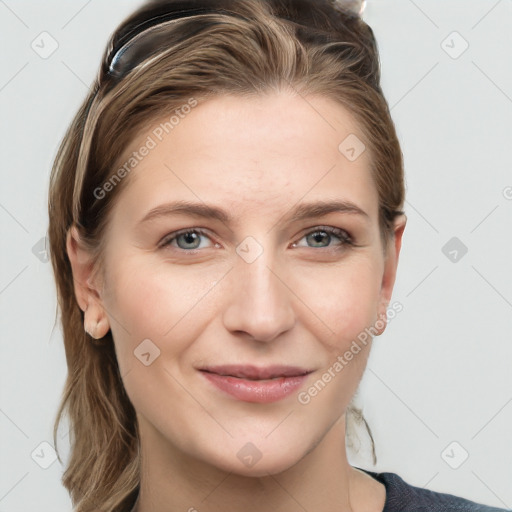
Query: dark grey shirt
402	497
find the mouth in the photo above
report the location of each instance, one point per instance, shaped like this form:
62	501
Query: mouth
252	384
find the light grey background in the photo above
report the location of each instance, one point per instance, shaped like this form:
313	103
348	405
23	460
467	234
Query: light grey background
441	372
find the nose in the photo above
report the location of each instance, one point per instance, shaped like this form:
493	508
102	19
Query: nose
260	303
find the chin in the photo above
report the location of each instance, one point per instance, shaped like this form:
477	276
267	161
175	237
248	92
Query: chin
270	466
259	459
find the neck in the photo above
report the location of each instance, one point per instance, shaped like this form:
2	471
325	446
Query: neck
322	481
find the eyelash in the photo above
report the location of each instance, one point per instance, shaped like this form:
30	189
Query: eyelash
341	234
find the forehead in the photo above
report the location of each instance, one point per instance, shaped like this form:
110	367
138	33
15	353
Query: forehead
260	153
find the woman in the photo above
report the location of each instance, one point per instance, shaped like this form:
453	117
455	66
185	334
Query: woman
225	225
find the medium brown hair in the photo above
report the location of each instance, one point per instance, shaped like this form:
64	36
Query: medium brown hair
235	47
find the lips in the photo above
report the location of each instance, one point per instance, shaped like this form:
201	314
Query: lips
252	384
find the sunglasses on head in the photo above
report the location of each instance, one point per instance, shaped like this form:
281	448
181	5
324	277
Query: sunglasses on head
146	40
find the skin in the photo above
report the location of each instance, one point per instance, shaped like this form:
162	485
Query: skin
201	303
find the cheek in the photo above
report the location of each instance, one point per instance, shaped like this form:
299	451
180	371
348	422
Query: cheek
166	305
154	300
343	299
347	303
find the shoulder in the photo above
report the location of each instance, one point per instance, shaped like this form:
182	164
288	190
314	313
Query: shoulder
402	497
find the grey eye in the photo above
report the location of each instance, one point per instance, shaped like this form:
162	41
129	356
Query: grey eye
191	238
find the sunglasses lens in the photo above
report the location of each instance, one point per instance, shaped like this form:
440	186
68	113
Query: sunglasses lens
137	50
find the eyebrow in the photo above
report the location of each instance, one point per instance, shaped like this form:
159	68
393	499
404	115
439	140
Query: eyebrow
301	212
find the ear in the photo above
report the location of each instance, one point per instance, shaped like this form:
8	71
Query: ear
390	269
87	285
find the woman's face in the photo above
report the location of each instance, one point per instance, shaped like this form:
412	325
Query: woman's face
222	333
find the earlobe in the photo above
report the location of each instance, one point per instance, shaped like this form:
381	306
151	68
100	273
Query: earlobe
96	323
